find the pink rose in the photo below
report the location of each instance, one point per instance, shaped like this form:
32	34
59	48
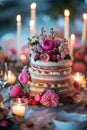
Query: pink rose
24	77
44	57
48	45
50	99
15	90
79	55
37	97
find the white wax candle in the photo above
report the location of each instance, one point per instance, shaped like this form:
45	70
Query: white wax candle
84	30
18	18
72	44
18	109
66	28
11	77
33	16
31	28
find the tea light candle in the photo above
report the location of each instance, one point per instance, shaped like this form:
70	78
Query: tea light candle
66	28
72	44
18	108
84	30
33	16
18	18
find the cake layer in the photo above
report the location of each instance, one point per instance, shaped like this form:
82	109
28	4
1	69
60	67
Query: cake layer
44	85
50	81
35	71
61	88
52	65
38	89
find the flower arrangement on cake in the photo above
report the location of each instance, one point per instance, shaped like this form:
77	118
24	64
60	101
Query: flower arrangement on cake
48	80
49	47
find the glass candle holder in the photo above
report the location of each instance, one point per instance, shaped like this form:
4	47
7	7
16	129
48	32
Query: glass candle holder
18	107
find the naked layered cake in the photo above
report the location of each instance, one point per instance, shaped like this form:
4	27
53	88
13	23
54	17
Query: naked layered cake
50	65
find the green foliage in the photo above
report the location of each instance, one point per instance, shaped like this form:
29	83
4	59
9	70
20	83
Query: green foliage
67	57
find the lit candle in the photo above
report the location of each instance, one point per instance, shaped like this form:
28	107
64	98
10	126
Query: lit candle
31	28
18	108
23	57
18	18
33	16
79	77
66	28
72	44
11	77
84	30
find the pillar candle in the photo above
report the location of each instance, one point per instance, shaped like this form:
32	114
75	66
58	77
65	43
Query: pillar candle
72	41
18	18
66	28
84	30
33	16
31	24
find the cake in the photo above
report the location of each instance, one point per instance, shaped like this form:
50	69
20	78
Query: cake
50	65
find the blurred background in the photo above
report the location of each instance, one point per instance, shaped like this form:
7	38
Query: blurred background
47	11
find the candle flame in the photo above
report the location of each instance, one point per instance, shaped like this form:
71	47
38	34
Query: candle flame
66	12
85	16
18	18
72	37
33	5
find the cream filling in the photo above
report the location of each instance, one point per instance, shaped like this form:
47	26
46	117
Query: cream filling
65	72
36	90
49	63
50	78
52	86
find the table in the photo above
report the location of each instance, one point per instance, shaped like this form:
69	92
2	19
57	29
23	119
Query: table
40	118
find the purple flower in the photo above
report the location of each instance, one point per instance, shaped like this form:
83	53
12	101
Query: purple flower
15	90
48	45
24	77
